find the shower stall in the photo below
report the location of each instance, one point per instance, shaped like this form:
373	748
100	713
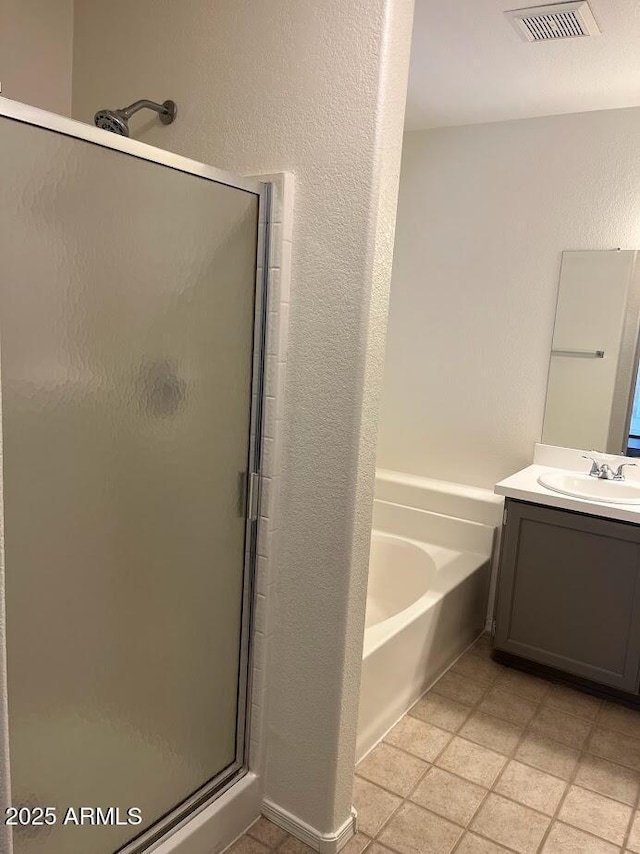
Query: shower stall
132	304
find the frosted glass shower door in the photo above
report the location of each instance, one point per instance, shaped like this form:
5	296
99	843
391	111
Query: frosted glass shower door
127	323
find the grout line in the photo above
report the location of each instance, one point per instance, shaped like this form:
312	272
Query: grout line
475	813
492	841
553	818
510	753
421	697
406	799
415	755
464	780
423	809
526	729
540	703
582	753
392	791
571	783
488	791
508	757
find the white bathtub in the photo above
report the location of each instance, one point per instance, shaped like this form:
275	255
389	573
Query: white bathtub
428	586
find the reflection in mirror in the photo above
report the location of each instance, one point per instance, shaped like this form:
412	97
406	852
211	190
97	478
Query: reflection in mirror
592	401
633	446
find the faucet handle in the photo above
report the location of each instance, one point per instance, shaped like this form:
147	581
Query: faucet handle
619	475
595	468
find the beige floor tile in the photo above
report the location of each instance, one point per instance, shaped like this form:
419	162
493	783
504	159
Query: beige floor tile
510	707
373	804
482	646
616	747
356	844
477	667
417	737
547	755
291	845
472	844
267	832
376	848
510	824
448	796
595	814
563	839
621	719
471	761
573	702
414	830
531	787
441	712
392	769
248	845
492	732
523	684
561	727
633	843
459	688
609	779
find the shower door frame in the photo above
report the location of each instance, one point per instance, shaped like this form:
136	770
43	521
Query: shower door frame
160	831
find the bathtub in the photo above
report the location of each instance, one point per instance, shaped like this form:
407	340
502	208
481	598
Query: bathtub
431	550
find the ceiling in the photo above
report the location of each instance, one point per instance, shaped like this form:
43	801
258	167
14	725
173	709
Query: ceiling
469	65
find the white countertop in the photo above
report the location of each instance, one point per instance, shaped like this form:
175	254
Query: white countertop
524	486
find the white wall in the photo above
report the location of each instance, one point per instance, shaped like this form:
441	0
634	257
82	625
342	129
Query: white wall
485	212
317	89
36	50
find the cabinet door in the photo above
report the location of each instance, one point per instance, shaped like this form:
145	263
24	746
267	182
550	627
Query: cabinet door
568	593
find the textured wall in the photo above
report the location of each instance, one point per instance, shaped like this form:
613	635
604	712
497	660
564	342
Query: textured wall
36	49
317	89
485	212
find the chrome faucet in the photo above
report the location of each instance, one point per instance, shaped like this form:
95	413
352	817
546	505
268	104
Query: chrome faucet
603	471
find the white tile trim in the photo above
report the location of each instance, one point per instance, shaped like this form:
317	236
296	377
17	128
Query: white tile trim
279	295
279	291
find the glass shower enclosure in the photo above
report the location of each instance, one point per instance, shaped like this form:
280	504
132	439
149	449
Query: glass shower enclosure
131	352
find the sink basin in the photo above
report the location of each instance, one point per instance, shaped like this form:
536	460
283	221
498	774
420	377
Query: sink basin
590	488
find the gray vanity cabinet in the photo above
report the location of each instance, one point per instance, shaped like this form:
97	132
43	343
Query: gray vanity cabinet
568	593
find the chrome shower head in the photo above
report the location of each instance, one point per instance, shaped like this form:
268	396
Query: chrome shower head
112	120
117	121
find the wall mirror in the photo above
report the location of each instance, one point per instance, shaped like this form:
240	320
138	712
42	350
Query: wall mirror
593	393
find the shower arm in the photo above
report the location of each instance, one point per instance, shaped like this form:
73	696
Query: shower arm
161	109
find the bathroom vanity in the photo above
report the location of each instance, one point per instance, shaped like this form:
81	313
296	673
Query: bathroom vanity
568	587
567	601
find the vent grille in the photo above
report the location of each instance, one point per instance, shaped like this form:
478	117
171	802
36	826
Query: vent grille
549	23
563	25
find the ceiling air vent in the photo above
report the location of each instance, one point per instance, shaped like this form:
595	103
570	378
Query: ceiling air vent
560	21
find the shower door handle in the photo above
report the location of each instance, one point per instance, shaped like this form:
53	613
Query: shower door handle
253	495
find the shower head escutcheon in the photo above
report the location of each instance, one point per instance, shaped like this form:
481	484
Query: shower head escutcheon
117	121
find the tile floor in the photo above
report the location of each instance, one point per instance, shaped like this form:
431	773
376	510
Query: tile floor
492	760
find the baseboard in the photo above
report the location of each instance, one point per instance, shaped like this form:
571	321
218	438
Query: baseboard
324	843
